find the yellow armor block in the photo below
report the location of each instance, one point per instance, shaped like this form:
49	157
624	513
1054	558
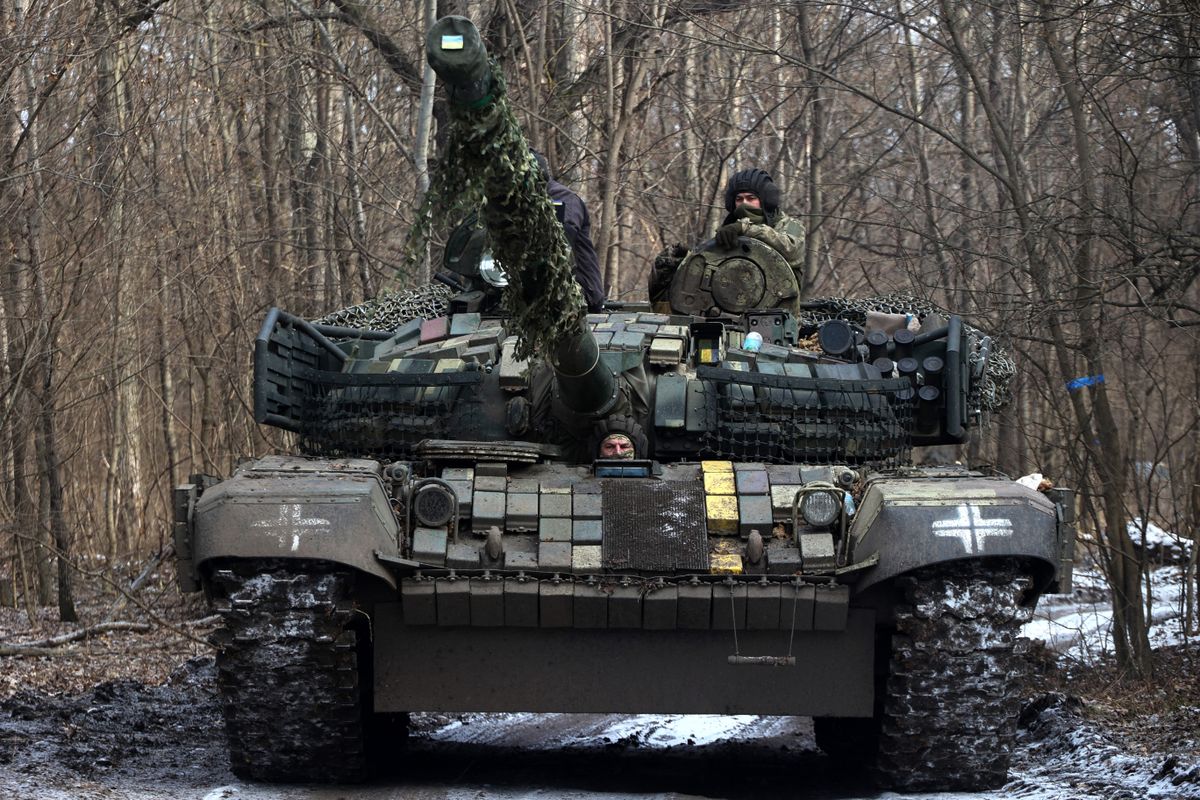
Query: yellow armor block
719	483
722	513
725	564
716	466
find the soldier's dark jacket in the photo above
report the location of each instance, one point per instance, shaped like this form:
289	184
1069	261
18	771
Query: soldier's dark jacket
578	228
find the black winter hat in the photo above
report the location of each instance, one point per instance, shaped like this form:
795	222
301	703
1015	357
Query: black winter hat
542	164
757	181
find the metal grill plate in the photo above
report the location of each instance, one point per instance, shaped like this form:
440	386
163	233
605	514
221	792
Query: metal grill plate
651	525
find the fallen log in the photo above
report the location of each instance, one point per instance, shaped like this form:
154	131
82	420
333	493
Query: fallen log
45	647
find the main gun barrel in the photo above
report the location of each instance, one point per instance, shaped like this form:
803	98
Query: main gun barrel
526	236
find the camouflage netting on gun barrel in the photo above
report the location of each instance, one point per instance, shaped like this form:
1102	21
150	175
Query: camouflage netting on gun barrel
991	393
488	165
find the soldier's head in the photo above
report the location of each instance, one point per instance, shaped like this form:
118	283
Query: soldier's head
616	445
748	199
618	436
752	188
542	164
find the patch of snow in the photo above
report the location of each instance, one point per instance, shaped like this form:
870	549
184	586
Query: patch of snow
680	729
223	793
1059	750
1160	546
1154	534
1079	626
483	728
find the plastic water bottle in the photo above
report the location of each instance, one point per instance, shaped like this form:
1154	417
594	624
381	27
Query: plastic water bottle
752	342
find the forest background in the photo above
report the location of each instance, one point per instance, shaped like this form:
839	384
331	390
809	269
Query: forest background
171	169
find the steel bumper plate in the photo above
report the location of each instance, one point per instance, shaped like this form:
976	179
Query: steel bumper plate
628	670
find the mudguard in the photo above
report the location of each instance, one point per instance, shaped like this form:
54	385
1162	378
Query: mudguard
915	522
334	510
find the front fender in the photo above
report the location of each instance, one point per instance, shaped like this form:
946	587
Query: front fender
298	508
910	523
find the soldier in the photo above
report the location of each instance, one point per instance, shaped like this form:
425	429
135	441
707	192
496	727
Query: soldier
619	436
752	200
616	445
573	214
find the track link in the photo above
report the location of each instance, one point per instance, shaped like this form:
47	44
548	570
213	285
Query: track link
950	712
288	674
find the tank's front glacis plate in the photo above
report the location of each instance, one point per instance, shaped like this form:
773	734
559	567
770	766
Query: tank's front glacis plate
665	552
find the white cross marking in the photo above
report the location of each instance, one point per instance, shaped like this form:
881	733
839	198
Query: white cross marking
971	528
291	521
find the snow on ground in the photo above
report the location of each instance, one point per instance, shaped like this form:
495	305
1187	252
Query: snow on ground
1079	626
1057	745
1161	546
694	729
589	730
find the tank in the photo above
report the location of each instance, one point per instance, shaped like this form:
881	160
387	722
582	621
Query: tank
503	504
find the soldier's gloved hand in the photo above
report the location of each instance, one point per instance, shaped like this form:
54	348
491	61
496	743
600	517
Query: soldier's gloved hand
665	265
727	235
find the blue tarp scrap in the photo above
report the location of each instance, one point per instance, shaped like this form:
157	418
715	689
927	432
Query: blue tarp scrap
1079	383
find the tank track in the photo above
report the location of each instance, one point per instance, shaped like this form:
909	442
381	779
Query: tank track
949	717
288	674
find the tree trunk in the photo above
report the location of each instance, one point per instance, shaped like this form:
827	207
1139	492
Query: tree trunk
1129	621
814	147
424	132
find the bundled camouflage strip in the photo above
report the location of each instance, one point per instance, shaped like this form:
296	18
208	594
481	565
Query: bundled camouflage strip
487	164
991	394
487	151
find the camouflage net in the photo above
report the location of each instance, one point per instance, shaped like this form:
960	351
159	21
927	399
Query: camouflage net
390	310
990	394
488	166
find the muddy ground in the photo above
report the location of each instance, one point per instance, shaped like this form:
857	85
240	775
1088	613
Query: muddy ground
125	740
132	716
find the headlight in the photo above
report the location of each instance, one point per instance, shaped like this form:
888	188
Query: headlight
434	505
491	272
820	509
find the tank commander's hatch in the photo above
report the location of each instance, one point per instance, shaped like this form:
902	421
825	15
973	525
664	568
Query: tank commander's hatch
753	275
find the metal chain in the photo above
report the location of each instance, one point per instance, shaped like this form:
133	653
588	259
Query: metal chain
390	310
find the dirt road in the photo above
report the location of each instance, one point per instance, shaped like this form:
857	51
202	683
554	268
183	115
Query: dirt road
126	741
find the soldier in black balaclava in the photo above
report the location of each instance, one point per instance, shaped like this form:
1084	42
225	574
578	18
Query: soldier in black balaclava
573	215
752	200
